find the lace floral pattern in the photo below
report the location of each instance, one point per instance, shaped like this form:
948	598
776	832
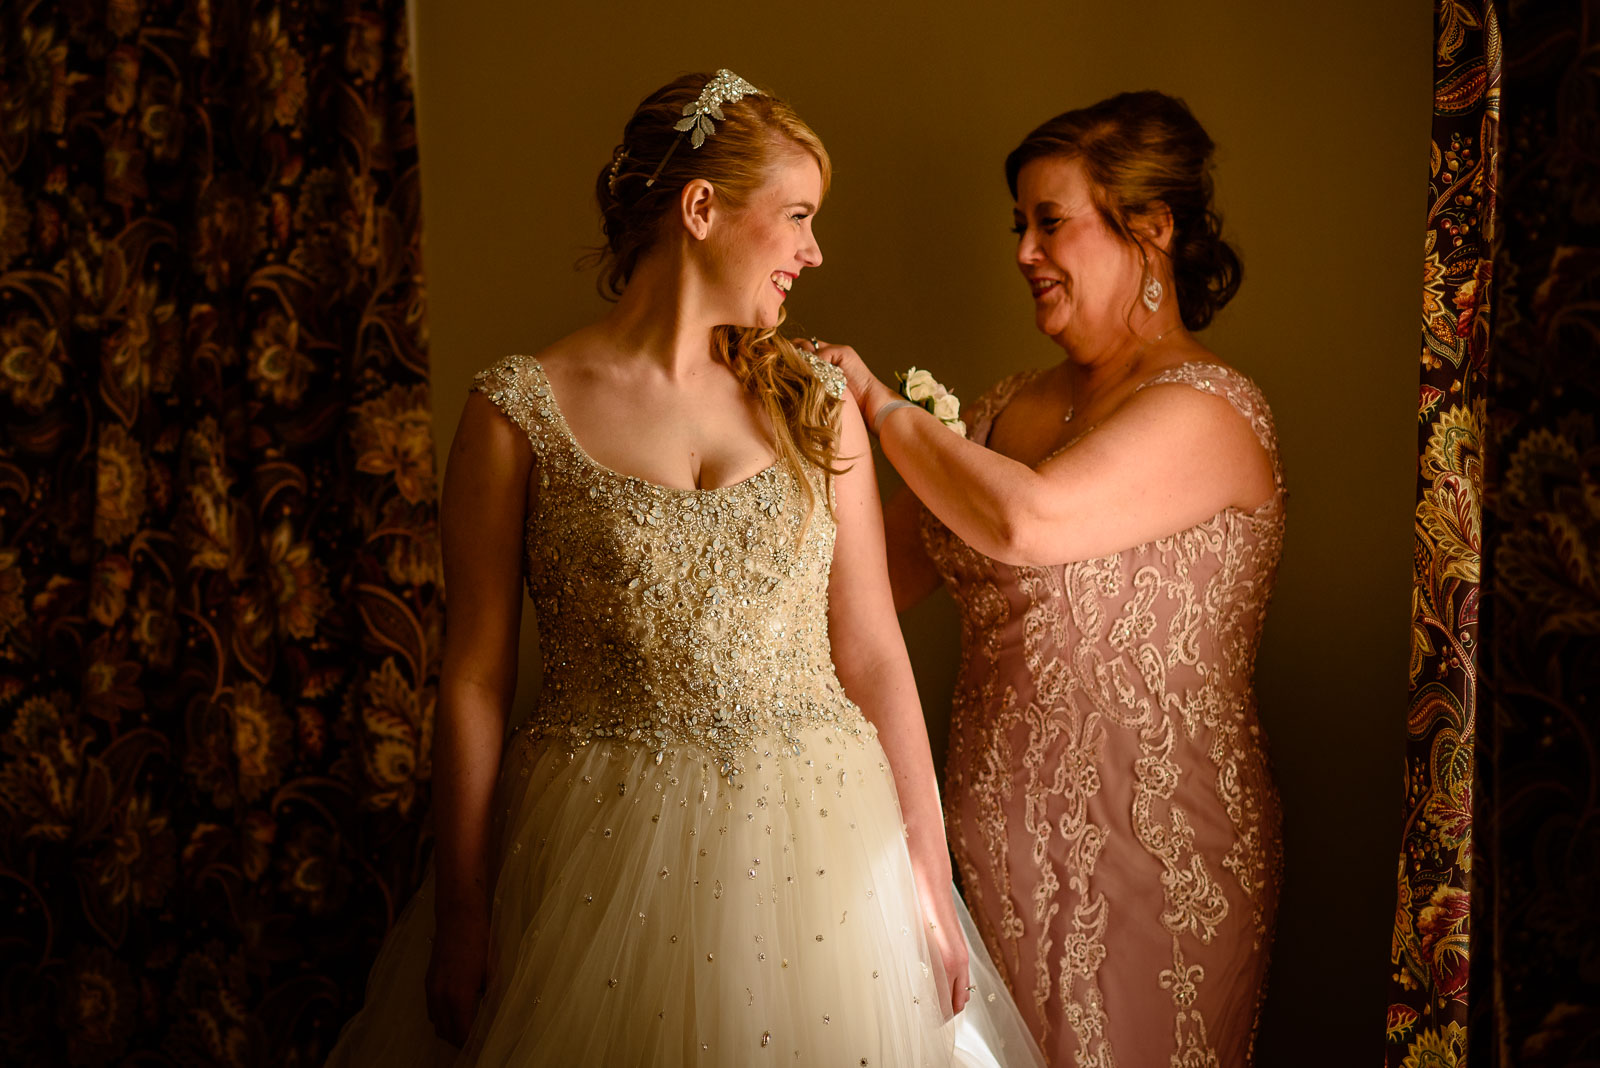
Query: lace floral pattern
1110	804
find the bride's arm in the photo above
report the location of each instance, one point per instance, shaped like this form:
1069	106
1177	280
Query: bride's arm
870	656
481	522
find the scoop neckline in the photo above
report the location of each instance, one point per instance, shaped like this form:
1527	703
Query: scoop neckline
1022	378
583	453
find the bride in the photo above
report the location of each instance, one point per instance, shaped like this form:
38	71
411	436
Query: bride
717	840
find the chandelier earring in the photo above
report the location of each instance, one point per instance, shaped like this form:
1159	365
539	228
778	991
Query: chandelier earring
1151	291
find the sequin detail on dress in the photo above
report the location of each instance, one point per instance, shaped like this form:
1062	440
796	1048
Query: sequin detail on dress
1107	790
698	858
673	615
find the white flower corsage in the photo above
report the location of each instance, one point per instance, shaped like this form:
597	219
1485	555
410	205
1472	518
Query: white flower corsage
921	388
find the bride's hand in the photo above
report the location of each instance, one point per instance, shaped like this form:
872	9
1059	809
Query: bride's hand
457	971
930	866
944	935
864	385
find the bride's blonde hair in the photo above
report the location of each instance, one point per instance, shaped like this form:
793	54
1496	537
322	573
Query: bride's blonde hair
755	133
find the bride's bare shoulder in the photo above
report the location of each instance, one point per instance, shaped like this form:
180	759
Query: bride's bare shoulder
559	354
579	362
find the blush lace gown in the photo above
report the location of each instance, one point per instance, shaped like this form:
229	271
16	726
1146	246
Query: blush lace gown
1107	791
700	856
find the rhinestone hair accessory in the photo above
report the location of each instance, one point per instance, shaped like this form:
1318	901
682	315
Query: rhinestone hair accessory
725	88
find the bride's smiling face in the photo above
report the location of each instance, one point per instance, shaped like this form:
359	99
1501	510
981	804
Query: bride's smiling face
758	249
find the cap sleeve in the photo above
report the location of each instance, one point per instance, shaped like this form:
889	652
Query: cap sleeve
832	378
516	385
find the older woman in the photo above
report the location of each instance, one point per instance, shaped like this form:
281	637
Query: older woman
1110	528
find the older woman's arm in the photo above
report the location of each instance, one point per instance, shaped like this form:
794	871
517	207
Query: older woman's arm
1167	459
870	657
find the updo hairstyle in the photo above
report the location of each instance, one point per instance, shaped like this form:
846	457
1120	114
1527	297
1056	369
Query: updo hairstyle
756	134
1141	151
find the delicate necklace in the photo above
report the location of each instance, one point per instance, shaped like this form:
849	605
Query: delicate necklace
1071	407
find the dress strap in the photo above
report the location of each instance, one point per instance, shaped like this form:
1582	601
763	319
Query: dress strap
832	378
993	401
517	386
1238	390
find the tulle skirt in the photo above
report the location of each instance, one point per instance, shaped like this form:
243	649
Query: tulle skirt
649	911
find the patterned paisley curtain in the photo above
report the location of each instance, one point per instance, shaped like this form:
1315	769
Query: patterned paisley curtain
1536	911
219	583
1496	946
1428	992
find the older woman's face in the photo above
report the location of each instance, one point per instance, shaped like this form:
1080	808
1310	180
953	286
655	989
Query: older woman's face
1083	276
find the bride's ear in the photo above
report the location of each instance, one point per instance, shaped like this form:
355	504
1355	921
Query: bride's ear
695	205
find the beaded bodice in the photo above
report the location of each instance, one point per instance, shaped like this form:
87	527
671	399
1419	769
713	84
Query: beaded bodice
670	616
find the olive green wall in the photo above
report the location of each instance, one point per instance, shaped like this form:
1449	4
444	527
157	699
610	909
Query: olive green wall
1321	113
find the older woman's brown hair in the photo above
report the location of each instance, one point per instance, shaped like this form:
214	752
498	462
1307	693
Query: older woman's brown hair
1141	152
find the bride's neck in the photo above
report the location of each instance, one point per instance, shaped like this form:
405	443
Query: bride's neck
662	317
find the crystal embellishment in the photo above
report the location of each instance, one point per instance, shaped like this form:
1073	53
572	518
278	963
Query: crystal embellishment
725	88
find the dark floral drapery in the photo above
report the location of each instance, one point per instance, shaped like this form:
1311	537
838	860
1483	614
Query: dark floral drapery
1429	950
219	583
1536	982
1496	947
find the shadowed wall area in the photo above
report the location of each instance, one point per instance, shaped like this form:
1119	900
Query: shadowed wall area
1322	116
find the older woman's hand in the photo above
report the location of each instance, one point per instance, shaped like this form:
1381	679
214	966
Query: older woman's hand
869	393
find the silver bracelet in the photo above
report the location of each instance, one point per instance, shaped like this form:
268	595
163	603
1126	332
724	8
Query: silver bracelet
878	416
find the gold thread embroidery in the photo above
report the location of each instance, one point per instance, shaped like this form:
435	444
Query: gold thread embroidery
1117	684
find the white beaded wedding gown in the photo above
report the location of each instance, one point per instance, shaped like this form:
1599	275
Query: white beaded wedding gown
700	854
